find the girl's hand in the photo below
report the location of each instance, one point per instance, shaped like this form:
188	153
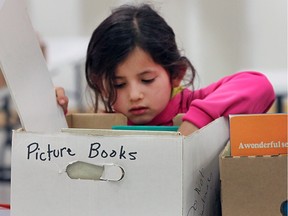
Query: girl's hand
62	99
187	128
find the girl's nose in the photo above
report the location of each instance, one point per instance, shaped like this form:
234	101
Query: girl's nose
136	93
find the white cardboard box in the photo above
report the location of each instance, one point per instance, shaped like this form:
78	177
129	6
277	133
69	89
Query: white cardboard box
164	173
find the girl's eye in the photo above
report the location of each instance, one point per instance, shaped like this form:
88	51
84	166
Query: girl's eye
119	85
147	81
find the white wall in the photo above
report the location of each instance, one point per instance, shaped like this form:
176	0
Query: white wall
220	37
55	18
225	36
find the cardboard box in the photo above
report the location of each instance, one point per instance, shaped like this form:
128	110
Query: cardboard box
259	134
143	173
255	185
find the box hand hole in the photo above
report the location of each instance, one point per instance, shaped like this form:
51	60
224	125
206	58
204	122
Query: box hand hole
87	171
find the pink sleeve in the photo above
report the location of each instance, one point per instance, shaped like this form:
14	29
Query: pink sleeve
240	93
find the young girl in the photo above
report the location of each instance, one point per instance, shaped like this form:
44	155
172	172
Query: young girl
135	68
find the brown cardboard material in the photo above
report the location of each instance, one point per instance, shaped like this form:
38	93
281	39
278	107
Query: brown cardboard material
77	120
91	121
255	185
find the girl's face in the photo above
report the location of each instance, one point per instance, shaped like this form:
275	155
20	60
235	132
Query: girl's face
143	87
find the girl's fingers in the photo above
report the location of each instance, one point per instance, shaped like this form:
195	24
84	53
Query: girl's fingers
62	99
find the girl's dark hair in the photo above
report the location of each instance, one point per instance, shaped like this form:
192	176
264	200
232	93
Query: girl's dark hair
126	28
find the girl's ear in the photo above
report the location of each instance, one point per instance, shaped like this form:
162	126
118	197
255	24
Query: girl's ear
177	80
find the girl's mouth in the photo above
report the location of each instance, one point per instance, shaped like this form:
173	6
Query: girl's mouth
138	110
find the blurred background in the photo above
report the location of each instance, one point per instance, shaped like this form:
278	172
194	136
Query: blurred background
219	37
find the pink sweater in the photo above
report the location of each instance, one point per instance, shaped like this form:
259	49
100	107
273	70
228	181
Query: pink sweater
241	93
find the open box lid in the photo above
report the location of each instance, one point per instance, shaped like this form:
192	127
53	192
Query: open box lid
26	72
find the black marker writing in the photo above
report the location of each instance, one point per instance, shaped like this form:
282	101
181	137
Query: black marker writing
35	152
202	189
97	151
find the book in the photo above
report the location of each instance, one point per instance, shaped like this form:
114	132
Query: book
258	134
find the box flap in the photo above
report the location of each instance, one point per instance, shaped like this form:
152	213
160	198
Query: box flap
201	187
26	72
